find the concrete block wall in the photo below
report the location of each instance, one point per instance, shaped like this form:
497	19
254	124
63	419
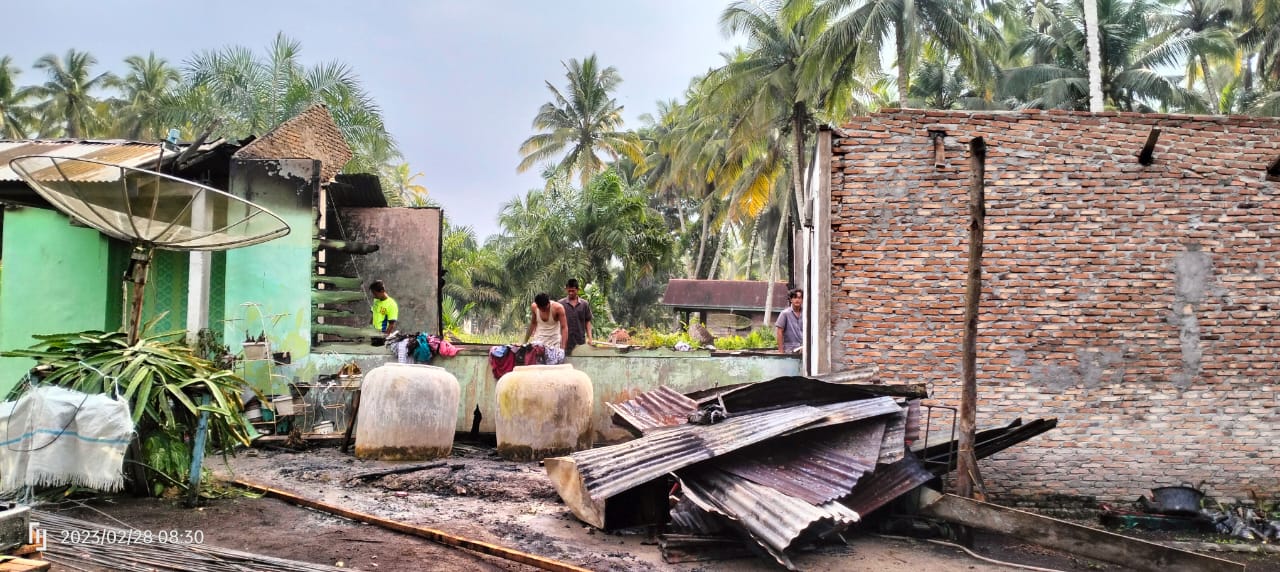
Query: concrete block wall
1138	304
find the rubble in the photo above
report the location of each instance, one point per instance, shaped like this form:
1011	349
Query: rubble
781	464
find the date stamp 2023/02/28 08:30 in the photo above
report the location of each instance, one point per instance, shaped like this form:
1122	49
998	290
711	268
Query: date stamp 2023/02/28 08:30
41	537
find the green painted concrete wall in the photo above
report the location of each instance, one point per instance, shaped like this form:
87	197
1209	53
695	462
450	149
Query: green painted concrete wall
275	275
615	376
57	278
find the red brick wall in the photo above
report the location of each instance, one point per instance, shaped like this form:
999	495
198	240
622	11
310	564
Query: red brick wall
1138	304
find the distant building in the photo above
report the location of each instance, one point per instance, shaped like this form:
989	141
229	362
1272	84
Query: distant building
727	307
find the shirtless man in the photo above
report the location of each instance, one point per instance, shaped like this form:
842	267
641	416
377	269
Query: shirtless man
547	322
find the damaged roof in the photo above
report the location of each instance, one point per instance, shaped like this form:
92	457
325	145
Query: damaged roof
723	294
135	154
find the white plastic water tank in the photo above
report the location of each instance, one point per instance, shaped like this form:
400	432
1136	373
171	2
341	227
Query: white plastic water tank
408	412
543	411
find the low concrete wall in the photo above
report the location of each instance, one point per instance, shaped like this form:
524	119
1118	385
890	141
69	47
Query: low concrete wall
615	375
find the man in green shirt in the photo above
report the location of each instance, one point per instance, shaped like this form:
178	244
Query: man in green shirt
385	309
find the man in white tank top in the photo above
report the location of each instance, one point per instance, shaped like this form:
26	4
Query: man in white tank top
547	324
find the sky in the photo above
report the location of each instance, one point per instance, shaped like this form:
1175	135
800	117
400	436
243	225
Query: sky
458	82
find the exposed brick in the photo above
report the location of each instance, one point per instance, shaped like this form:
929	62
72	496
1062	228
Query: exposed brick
1082	315
311	134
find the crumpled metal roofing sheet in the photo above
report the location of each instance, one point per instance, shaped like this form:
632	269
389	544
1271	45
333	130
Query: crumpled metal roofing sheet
795	390
888	482
895	443
662	407
125	153
775	520
817	466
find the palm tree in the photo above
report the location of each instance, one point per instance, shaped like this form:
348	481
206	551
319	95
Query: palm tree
580	122
1206	27
247	96
15	115
857	38
144	89
402	188
1132	59
69	104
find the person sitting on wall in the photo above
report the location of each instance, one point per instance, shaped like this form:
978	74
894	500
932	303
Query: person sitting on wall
547	324
385	310
789	328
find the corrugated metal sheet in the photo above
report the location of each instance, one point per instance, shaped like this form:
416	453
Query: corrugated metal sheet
607	471
796	390
691	518
678	548
775	520
888	482
723	294
817	467
895	442
650	410
913	422
126	153
941	458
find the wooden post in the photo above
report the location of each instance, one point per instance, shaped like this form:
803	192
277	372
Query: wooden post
968	480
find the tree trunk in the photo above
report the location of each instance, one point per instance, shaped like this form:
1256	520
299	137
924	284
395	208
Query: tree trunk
1092	41
968	479
904	72
715	262
702	246
1215	98
773	267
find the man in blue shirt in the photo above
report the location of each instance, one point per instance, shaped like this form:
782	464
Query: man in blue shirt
789	329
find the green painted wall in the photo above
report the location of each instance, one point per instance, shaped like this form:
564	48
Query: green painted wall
615	376
57	278
275	276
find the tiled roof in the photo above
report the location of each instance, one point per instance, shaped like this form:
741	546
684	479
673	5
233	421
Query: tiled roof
311	134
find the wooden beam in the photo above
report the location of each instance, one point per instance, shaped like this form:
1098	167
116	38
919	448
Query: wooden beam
1081	540
1149	148
419	531
819	296
969	480
939	148
344	282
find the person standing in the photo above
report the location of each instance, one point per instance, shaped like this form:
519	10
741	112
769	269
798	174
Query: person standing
547	325
789	329
578	312
385	310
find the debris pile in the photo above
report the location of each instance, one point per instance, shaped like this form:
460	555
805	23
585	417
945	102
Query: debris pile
1185	508
781	464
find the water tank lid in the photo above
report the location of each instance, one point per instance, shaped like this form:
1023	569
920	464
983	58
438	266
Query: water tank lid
544	367
417	365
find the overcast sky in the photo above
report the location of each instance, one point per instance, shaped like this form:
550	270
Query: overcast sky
459	82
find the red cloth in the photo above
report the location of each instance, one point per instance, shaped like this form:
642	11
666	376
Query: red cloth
502	365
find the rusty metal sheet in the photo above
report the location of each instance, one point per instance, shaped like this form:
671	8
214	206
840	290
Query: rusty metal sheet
887	483
816	466
789	391
677	548
125	153
913	422
689	517
941	458
895	443
776	521
723	294
662	407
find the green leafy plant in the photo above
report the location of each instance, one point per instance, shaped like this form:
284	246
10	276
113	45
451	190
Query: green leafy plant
762	338
452	317
164	382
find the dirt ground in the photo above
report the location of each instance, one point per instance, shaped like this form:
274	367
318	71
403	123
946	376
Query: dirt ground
479	496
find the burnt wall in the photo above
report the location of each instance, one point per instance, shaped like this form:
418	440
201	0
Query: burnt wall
407	261
1138	304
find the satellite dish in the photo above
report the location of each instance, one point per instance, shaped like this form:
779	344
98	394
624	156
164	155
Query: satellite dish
148	209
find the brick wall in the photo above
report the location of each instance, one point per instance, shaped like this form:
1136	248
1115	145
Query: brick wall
1138	304
311	134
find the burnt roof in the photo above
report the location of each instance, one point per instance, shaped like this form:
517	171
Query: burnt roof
723	294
